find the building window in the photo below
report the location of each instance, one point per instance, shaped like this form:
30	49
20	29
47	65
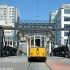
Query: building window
66	25
1	8
9	16
12	11
5	42
66	33
12	8
5	17
66	18
4	8
4	11
65	41
12	16
12	19
1	16
66	11
69	41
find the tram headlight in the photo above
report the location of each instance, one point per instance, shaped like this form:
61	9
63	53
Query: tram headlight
37	51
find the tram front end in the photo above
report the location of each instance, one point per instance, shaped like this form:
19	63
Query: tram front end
37	47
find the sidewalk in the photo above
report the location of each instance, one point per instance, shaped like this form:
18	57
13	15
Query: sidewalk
58	66
59	57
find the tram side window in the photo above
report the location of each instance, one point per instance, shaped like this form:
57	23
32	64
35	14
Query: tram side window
29	42
32	41
42	41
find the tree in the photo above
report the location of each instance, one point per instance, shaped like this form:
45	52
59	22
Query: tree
21	52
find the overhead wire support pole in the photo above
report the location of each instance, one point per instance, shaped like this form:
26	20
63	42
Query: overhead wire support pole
37	10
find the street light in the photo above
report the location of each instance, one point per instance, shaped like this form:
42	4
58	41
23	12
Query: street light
61	41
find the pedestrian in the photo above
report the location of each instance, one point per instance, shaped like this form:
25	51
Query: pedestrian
62	54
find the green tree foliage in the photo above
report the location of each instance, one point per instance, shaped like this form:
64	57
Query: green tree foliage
21	52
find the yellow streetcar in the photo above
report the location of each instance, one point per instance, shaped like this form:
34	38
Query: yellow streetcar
36	47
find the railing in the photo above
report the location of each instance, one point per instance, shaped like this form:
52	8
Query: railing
34	21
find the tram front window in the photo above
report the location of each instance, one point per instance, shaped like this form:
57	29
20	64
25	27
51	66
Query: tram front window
37	42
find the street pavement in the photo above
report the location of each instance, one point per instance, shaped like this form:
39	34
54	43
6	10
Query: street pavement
14	63
14	59
38	66
21	63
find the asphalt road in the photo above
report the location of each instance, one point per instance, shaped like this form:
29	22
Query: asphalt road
21	63
14	63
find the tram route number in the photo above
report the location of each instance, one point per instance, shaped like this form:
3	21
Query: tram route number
6	68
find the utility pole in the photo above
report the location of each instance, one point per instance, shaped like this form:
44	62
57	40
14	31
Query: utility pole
1	41
37	10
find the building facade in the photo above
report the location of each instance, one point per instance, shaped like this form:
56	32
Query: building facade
62	20
52	16
9	13
9	17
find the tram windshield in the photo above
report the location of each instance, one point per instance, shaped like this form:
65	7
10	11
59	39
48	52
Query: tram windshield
37	42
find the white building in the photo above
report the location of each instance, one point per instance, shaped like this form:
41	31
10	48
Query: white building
51	21
9	17
52	16
62	19
9	13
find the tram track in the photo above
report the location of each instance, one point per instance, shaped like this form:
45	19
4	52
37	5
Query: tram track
43	63
47	65
29	65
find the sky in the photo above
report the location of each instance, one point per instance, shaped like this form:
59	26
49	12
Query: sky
29	9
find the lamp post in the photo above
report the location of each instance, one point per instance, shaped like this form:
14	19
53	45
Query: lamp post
68	39
61	41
